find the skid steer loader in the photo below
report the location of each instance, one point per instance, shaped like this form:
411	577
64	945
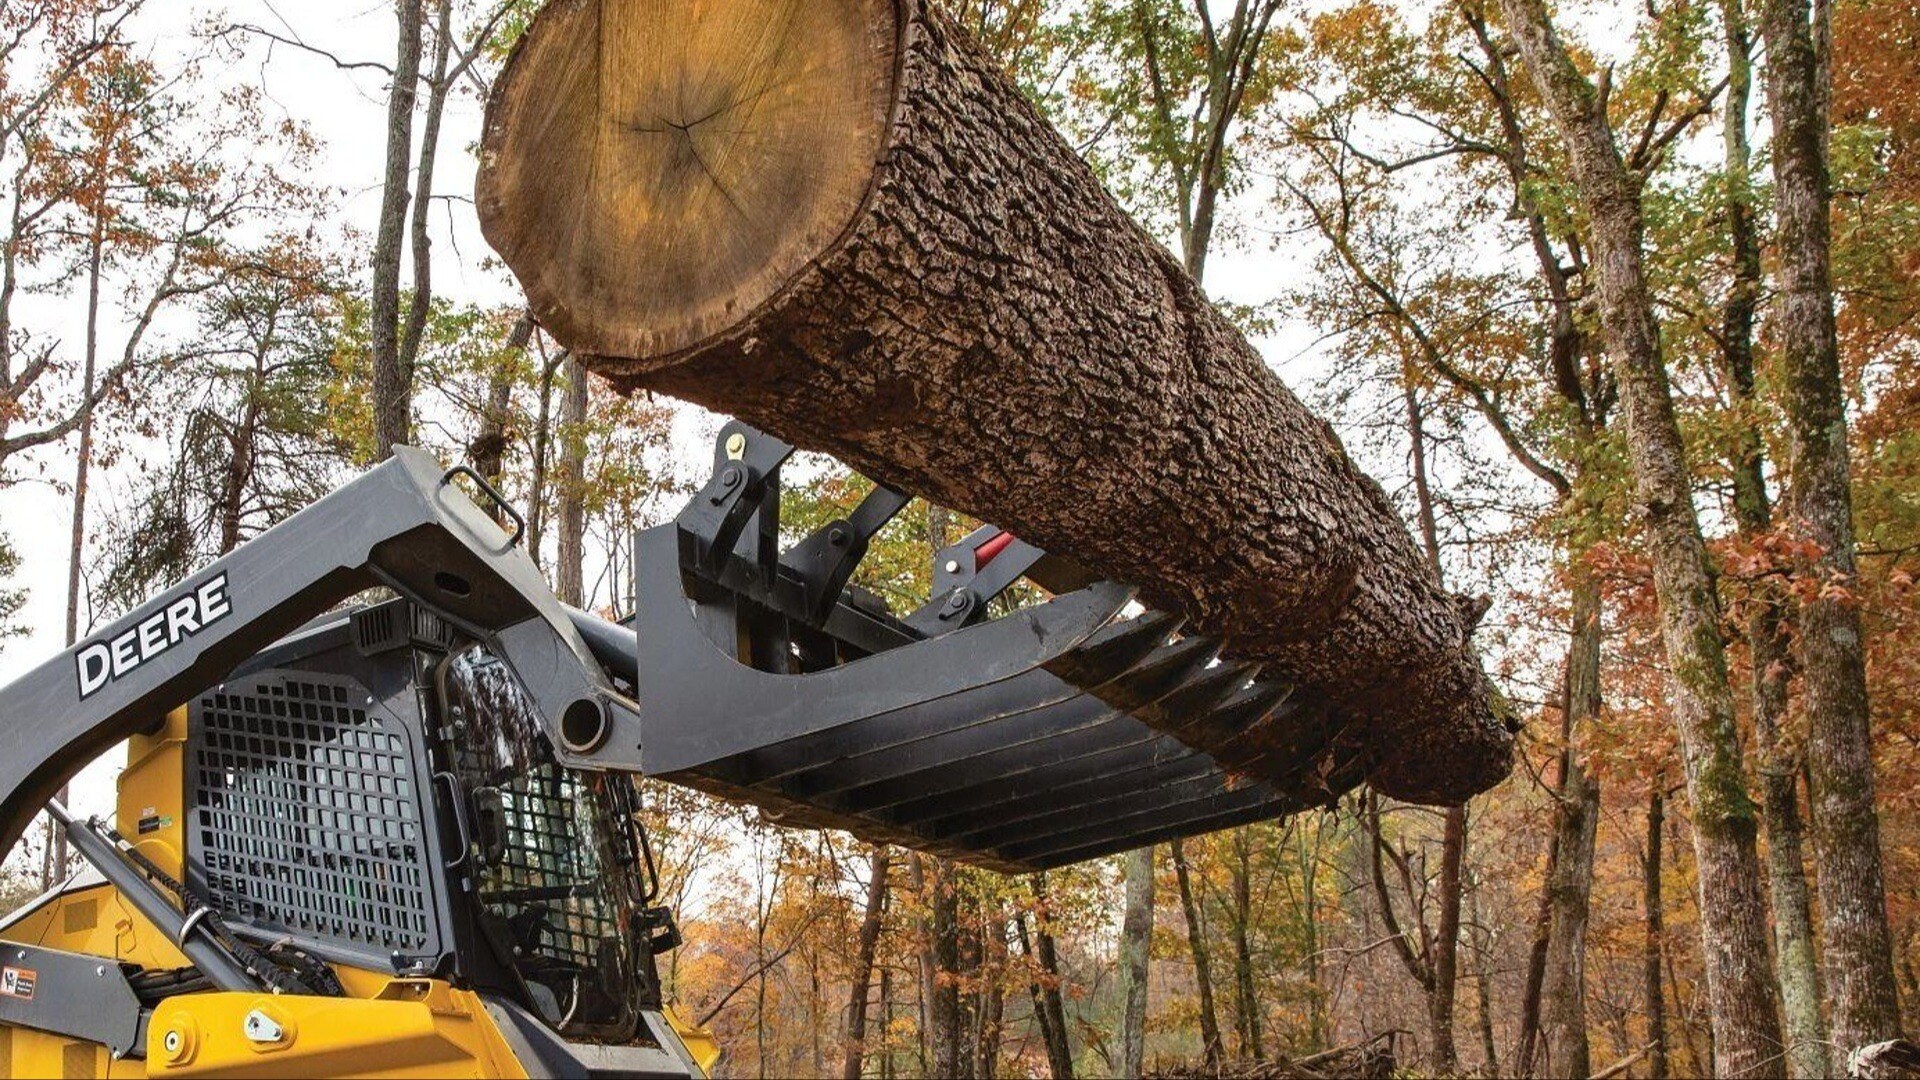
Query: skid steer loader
398	837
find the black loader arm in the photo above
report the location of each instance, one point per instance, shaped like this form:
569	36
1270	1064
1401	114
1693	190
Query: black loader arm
404	524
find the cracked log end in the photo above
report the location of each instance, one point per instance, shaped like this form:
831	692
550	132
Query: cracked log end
669	166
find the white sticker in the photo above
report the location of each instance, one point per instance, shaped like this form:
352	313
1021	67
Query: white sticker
17	982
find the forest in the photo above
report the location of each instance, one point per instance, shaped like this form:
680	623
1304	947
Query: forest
1619	303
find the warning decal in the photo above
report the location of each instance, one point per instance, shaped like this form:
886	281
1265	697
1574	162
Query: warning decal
17	982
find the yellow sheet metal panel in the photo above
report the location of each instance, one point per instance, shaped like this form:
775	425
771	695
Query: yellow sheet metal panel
415	1028
26	1053
96	921
699	1041
150	812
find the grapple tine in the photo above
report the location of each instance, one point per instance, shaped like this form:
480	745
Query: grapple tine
1116	650
1206	691
1247	706
1023	789
1156	835
1160	674
1277	742
978	753
955	753
1259	801
1014	700
1116	806
1111	732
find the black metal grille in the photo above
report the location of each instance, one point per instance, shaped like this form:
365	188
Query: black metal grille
307	817
553	860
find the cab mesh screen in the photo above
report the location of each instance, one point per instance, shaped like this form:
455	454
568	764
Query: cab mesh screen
552	865
306	814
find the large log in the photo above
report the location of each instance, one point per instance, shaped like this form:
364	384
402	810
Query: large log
837	220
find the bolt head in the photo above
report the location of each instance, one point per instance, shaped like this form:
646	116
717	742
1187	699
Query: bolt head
953	566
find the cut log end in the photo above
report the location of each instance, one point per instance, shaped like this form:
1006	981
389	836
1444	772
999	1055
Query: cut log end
670	166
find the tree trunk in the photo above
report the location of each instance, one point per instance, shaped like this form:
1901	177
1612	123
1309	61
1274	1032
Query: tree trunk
863	962
488	451
1818	496
1655	910
1246	997
1483	986
1769	653
1310	918
918	878
1733	911
1443	962
902	264
571	480
392	390
886	1020
1446	944
542	454
1060	1046
1576	816
1210	1046
944	928
1136	936
993	957
82	473
1526	1046
420	299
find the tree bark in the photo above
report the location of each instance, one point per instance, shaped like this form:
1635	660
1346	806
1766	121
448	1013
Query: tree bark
1446	941
863	962
903	264
392	390
1210	1046
1060	1045
1136	934
542	455
420	299
570	571
992	1012
1846	834
1483	995
923	955
488	451
944	928
1769	652
1444	961
1246	996
1652	992
1733	911
1576	817
57	856
1526	1047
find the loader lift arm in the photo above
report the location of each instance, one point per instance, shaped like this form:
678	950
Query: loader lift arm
404	524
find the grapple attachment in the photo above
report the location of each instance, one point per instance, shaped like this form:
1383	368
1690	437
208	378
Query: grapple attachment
1016	738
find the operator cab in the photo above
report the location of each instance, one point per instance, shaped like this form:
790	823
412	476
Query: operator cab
378	789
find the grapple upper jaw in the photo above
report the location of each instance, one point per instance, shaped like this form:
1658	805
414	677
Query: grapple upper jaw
1015	739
